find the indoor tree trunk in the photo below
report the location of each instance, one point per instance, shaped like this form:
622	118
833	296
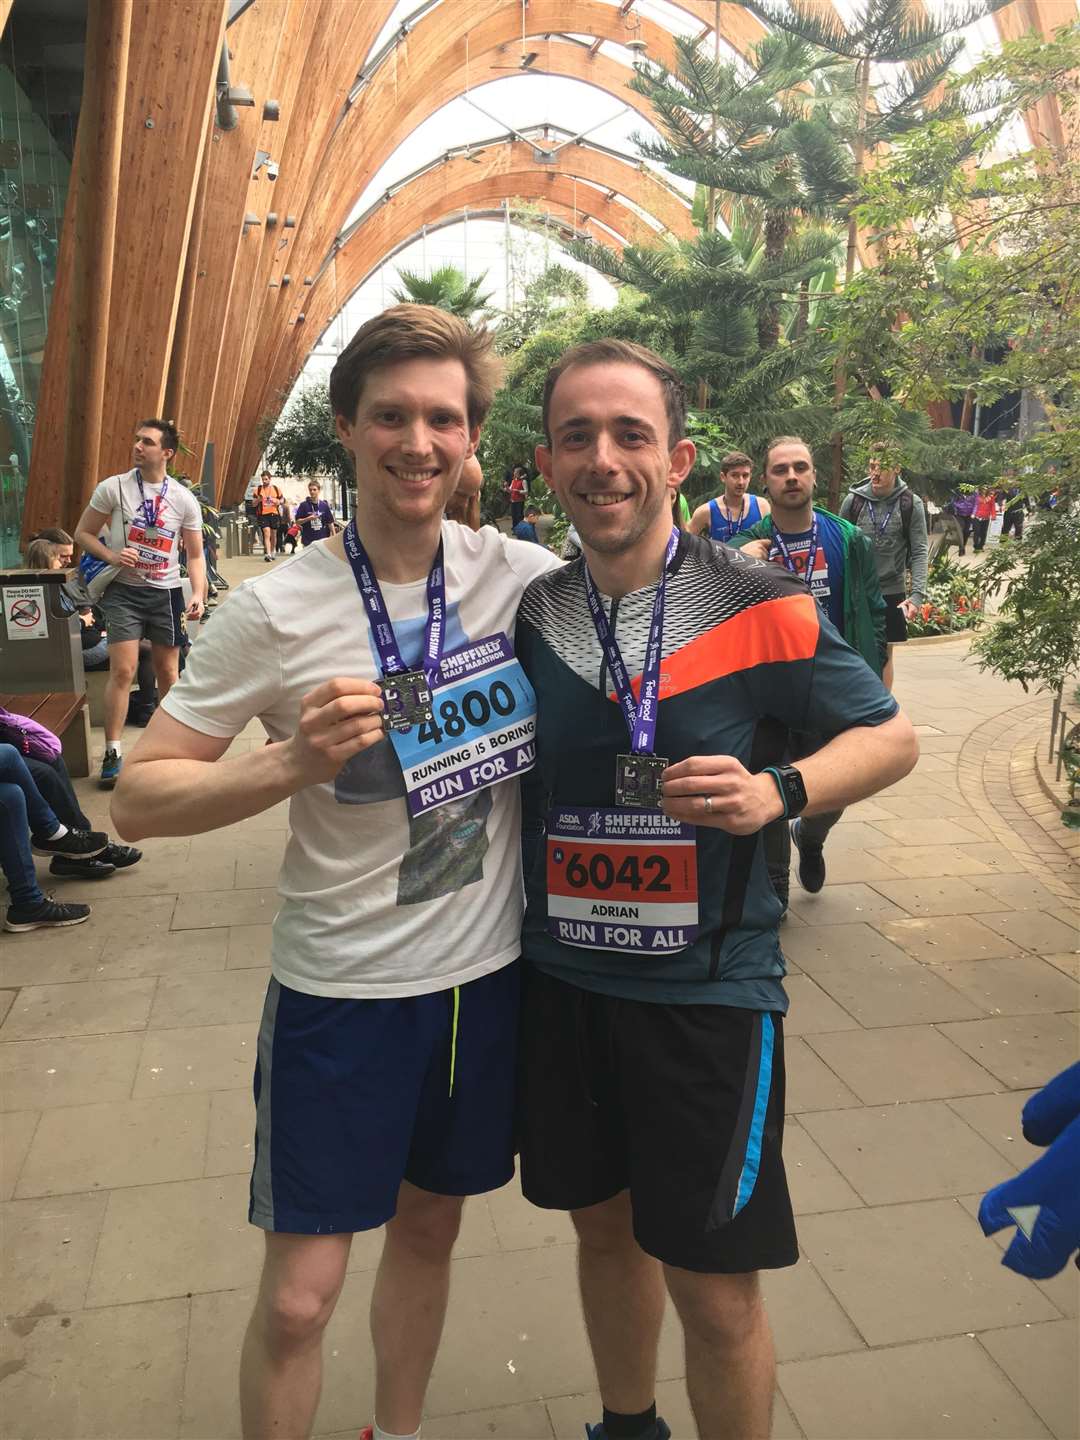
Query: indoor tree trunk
836	479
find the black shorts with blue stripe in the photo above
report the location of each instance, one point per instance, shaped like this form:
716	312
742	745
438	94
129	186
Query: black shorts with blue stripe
682	1105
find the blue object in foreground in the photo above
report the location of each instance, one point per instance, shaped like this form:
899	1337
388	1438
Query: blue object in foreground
1043	1201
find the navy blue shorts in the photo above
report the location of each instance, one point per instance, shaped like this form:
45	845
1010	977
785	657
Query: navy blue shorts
354	1096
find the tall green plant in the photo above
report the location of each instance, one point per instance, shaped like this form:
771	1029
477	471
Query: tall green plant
880	33
448	288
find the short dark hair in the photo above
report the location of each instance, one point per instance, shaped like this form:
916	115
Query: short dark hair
532	509
734	461
54	535
784	440
170	435
265	475
623	352
411	332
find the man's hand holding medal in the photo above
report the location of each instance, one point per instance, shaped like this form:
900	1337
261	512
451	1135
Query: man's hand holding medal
338	719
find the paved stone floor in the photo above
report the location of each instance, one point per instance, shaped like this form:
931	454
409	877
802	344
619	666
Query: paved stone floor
933	986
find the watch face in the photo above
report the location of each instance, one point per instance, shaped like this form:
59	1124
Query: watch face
794	790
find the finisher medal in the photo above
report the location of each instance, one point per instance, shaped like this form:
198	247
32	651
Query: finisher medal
407	697
637	775
638	781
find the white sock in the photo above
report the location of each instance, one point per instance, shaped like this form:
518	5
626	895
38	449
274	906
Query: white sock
58	834
377	1434
114	746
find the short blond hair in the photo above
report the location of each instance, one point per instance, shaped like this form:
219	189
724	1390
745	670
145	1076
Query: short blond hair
409	332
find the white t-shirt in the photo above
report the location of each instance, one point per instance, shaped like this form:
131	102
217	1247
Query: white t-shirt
119	498
374	905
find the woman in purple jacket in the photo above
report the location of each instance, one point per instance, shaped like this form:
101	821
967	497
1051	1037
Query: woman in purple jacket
963	507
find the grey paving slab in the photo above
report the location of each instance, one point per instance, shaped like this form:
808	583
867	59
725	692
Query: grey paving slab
811	1085
225	907
207	1057
1034	931
248	945
93	1007
859	947
933	939
933	1390
812	1011
114	1374
903	994
1041	1361
38	1074
128	1142
1019	1050
814	1182
917	1272
173	1239
226	997
1017	985
919	1151
911	1062
230	1139
997	1119
16	1132
842	905
47	1248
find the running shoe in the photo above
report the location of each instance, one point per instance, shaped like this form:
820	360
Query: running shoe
46	913
98	869
811	861
121	856
110	770
73	844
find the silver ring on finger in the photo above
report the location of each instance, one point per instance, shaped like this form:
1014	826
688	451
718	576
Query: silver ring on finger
708	804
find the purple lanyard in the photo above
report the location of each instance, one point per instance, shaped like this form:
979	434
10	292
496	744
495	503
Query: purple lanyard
811	554
640	716
151	511
879	530
732	526
386	644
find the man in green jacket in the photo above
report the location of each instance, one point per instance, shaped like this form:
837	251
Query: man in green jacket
836	560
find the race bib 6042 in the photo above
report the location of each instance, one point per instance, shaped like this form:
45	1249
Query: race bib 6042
621	880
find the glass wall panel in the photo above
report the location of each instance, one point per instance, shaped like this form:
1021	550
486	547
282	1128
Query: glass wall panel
42	53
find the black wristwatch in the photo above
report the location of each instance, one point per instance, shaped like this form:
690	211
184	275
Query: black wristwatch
792	790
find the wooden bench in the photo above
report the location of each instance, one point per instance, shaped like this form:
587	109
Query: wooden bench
66	716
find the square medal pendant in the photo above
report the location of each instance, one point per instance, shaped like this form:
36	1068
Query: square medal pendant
637	781
407	697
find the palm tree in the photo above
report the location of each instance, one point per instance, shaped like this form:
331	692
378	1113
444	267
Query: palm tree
881	32
449	289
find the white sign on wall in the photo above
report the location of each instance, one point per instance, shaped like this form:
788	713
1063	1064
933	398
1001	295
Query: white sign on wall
24	612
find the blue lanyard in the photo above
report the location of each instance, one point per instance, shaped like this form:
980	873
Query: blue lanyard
382	629
879	530
640	715
811	554
732	526
151	511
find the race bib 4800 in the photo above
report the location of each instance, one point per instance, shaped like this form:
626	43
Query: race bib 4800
482	731
621	880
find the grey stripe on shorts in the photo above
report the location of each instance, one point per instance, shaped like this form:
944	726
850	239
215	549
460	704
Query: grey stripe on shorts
262	1190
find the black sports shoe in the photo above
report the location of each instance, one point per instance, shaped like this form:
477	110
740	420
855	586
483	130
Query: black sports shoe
98	869
120	856
811	861
46	913
74	845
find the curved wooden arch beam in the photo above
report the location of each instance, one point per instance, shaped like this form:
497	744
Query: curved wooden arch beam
390	106
313	83
636	182
258	42
449	188
432	63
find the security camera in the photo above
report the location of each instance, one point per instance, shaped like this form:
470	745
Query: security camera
271	169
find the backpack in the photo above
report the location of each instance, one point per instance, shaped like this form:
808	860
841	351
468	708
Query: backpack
907	505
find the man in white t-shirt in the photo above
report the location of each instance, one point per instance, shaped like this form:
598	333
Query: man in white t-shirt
385	1076
143	514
